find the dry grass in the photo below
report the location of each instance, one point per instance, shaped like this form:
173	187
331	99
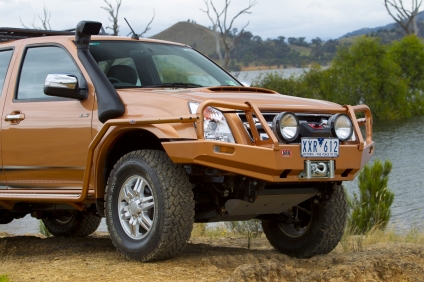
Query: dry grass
202	230
349	243
356	243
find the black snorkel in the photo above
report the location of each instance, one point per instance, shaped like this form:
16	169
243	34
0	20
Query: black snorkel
108	101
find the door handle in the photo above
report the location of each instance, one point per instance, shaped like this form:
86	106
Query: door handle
15	117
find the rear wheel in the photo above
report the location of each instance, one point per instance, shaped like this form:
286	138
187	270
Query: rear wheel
72	224
311	228
149	206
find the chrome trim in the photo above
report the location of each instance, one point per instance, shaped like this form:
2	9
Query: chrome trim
2	195
61	80
42	167
13	117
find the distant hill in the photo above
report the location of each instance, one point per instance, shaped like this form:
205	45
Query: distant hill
201	38
363	31
195	35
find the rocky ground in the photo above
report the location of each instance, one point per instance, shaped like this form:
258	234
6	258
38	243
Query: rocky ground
33	258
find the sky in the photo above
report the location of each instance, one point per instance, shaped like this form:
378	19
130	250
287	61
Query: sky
327	19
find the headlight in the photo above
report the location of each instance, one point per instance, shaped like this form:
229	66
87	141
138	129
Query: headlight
341	127
286	126
215	125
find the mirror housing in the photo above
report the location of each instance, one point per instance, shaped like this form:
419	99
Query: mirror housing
64	85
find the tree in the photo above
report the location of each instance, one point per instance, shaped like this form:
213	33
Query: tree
45	21
147	27
113	15
224	30
407	19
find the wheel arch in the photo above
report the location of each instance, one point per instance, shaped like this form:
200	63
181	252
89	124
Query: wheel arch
118	143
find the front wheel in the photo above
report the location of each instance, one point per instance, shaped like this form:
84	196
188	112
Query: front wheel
311	228
149	206
72	224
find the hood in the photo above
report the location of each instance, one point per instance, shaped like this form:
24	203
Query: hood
174	101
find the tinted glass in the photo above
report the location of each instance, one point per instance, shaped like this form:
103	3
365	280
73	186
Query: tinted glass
4	65
38	63
156	65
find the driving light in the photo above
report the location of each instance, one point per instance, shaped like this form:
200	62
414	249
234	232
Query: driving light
215	125
341	127
286	126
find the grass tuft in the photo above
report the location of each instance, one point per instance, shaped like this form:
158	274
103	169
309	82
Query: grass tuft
4	278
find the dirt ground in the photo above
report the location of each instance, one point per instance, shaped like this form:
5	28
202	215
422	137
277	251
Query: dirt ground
33	258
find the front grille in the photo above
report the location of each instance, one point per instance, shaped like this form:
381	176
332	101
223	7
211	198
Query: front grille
311	125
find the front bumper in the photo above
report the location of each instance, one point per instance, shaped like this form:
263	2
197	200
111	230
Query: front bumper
266	163
268	159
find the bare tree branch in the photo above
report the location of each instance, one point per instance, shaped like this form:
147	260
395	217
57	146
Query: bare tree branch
407	19
215	32
223	31
148	25
113	15
45	21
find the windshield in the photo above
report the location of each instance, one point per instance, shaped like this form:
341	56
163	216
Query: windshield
144	64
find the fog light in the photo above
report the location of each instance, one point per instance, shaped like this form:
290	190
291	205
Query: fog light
341	127
286	126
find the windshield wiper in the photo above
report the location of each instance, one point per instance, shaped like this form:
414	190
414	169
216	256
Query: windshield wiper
174	85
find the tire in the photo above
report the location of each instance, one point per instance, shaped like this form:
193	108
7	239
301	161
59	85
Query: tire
149	206
320	232
74	224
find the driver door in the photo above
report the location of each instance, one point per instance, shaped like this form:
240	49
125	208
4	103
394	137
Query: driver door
45	139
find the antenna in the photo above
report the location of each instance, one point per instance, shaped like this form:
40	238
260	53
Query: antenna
134	35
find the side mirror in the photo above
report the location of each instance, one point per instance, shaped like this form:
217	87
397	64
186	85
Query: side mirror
64	85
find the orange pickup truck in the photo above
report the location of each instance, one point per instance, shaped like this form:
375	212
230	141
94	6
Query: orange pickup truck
154	136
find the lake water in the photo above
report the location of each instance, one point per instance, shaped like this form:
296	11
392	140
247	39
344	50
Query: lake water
401	142
250	76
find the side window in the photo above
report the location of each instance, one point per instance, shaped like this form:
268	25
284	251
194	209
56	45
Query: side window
4	65
38	63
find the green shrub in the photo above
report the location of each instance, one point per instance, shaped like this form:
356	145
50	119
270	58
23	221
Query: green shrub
389	79
4	278
408	53
43	229
372	209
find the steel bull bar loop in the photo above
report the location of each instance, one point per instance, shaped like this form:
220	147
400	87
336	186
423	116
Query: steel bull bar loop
250	108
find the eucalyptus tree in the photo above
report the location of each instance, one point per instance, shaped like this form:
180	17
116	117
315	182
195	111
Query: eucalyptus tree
222	26
45	20
406	18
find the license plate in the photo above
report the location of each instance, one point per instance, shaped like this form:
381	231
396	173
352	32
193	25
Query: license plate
319	147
